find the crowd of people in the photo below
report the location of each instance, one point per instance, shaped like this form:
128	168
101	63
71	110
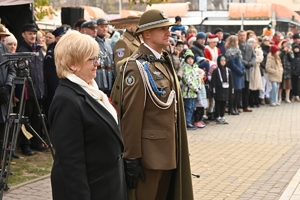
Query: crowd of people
255	70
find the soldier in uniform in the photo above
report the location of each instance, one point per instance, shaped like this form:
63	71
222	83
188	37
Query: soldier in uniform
106	70
152	118
51	77
129	42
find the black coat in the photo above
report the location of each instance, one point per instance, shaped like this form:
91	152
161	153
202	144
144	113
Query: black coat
286	60
220	93
197	49
88	144
36	69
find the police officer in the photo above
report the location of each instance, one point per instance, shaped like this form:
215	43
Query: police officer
152	118
51	78
106	70
129	42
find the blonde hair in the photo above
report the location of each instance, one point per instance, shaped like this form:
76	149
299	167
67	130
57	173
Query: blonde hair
232	42
73	48
190	30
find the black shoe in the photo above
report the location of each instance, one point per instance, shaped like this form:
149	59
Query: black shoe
190	126
42	147
14	155
27	151
232	112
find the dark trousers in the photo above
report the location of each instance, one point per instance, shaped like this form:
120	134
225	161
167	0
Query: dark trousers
219	108
246	95
198	114
32	112
254	98
237	100
295	85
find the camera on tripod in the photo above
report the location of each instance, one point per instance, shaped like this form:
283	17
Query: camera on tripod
20	62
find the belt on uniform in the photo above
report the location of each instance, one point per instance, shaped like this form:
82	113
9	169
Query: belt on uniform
103	67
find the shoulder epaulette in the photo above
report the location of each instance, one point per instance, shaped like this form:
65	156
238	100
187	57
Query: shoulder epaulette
135	56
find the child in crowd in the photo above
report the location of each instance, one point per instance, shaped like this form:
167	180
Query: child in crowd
296	73
201	102
190	87
211	50
211	107
275	71
222	87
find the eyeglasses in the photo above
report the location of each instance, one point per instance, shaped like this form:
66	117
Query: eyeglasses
96	60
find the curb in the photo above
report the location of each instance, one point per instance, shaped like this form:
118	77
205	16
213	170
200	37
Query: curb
290	189
28	182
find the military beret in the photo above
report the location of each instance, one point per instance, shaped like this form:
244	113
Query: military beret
89	24
60	31
30	27
102	21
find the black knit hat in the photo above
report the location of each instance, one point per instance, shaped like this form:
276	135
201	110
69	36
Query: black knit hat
296	36
217	30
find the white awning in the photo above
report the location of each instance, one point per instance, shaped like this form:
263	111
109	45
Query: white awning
14	2
236	22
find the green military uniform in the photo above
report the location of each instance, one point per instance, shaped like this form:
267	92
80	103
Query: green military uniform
125	47
152	121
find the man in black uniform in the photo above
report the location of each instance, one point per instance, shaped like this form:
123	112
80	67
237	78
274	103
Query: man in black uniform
50	68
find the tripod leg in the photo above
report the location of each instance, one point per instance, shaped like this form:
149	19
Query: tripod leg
12	129
40	114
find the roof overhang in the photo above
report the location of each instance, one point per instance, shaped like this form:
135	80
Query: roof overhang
14	2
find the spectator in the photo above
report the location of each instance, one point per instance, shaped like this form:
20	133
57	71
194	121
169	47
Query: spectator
250	34
234	63
255	83
275	70
276	38
286	55
49	38
222	87
8	73
36	67
84	127
174	57
211	50
190	40
179	47
296	38
190	87
248	60
192	31
51	77
11	43
40	38
268	31
264	94
178	25
78	24
296	73
221	43
198	46
201	102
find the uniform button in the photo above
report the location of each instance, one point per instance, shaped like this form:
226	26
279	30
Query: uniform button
151	136
161	85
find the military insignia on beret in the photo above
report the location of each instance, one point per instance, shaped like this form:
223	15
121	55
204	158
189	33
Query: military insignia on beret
120	52
164	16
130	80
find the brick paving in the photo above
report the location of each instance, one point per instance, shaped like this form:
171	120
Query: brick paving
256	156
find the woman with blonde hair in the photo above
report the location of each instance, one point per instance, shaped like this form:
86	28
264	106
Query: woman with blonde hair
88	162
234	63
275	71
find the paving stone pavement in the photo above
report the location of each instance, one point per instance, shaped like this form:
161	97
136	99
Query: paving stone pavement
254	157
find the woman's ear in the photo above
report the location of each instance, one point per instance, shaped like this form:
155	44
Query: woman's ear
73	68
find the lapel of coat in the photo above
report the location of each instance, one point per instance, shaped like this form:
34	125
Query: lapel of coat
97	107
157	65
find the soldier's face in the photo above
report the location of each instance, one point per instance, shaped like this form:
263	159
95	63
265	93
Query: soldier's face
159	37
29	37
102	29
91	31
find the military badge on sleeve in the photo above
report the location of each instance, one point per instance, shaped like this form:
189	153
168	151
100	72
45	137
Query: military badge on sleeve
120	52
130	80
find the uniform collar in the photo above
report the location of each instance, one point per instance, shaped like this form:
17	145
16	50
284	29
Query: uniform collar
155	53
